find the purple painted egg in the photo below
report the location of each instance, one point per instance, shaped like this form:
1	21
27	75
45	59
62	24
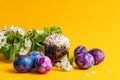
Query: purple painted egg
23	64
80	49
98	55
43	64
84	60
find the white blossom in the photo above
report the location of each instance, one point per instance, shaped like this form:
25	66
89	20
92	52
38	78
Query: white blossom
64	64
21	31
40	31
3	39
5	28
28	43
24	51
27	48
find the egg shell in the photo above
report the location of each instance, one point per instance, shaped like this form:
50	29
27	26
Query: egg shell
34	55
23	64
80	49
98	55
43	64
84	60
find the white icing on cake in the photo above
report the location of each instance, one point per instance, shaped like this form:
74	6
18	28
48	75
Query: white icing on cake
57	39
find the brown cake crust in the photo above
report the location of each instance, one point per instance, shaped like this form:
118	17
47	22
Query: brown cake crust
55	53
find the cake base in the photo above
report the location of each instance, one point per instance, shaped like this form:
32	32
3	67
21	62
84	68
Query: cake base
55	53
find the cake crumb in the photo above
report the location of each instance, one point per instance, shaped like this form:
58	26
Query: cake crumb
93	72
86	74
108	71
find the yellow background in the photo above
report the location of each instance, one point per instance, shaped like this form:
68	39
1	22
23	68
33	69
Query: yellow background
93	23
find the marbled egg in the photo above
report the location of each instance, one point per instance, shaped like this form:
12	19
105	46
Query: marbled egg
23	64
84	60
34	55
97	54
43	64
80	49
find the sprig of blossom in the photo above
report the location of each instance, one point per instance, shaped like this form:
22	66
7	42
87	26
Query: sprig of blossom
15	40
2	39
21	31
64	64
28	44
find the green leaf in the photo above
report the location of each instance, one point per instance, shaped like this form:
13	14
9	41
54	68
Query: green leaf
71	60
10	36
39	47
33	45
46	31
17	47
12	55
34	33
29	34
55	29
18	38
41	37
1	50
6	51
15	50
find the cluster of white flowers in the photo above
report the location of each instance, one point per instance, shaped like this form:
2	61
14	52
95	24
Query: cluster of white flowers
28	43
21	31
64	64
57	39
40	31
24	51
3	39
27	48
